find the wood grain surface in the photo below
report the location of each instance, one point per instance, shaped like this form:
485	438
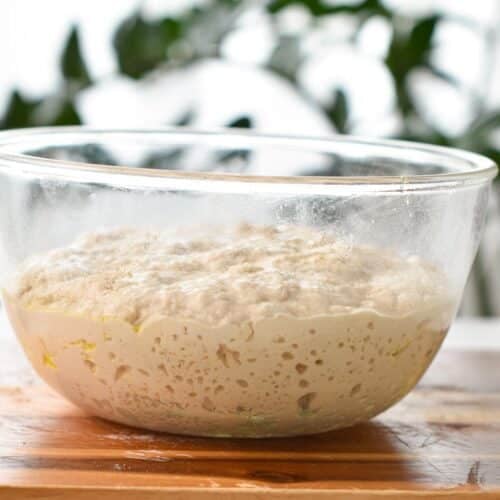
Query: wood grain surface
442	441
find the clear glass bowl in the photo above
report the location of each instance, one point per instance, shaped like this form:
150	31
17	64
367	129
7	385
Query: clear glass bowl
233	284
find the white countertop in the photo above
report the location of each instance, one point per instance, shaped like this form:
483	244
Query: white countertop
474	334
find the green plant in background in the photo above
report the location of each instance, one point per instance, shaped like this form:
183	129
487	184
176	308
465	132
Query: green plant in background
142	45
57	108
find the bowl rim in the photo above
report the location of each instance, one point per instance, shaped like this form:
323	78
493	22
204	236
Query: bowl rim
472	168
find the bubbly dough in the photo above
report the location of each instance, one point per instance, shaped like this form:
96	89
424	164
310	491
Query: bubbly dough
249	331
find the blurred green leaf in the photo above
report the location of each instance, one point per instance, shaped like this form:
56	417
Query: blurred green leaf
206	26
492	153
57	109
338	112
19	111
241	122
428	136
286	57
420	39
185	119
323	8
486	123
66	114
73	66
409	50
442	75
478	135
142	45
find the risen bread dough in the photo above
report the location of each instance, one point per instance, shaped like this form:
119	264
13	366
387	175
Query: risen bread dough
250	331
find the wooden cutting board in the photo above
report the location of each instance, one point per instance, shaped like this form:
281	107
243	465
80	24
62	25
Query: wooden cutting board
442	441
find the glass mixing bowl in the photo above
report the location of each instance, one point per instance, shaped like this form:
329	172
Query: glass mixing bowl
233	284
